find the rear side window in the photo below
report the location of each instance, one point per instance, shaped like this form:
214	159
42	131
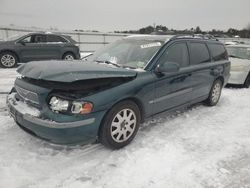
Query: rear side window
55	38
218	52
177	53
199	53
38	39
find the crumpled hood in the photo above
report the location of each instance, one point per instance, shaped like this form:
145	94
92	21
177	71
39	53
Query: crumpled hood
236	62
70	71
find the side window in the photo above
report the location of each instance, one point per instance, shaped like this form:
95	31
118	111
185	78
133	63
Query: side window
218	52
55	38
38	38
199	53
177	53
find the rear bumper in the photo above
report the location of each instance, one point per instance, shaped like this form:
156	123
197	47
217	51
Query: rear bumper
76	132
237	77
78	56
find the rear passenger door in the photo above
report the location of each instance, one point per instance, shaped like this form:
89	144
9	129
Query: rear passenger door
173	89
55	45
200	63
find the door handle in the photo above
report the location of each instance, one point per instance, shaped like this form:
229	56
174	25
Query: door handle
181	78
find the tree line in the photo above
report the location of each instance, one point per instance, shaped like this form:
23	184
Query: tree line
160	29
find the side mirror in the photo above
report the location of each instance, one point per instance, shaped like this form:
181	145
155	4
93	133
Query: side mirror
167	67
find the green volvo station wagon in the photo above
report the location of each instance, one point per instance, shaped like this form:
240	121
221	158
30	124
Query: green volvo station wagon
107	97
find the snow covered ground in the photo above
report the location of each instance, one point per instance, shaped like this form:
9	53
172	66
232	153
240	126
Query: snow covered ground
197	147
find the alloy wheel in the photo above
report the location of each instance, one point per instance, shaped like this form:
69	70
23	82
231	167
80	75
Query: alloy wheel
8	60
123	125
216	92
69	57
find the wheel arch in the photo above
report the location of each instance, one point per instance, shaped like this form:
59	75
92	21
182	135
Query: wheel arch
133	99
221	78
68	52
12	51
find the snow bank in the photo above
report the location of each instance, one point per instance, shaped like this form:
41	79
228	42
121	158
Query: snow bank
197	147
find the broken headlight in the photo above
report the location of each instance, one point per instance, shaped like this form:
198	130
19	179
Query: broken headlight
58	105
73	107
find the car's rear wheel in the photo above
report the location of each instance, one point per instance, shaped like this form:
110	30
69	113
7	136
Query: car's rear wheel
68	56
215	93
247	82
120	125
8	60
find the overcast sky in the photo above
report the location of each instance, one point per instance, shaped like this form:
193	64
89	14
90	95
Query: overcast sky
110	15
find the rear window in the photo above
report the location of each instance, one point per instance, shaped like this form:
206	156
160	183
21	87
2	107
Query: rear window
199	53
70	39
218	52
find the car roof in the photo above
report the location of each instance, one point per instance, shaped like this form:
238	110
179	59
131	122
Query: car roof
163	38
166	38
44	33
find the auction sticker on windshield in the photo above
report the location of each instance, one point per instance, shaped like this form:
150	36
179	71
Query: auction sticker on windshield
151	45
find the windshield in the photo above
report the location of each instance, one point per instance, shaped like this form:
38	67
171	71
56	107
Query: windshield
128	53
239	52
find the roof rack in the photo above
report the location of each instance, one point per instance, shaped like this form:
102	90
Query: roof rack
195	36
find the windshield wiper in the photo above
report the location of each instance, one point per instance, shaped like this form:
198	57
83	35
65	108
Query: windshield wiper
108	62
115	64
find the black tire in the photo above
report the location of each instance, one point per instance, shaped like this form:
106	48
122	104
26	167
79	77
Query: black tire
68	56
215	93
247	82
107	128
8	60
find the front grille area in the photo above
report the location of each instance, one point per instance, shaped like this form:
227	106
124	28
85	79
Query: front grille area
27	95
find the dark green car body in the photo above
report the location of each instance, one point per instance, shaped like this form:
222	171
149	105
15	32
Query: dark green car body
105	85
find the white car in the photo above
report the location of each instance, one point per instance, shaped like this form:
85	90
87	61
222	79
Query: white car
239	56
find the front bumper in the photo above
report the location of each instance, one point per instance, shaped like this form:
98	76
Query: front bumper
237	77
76	132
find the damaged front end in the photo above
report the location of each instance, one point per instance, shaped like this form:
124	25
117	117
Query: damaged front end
79	88
62	112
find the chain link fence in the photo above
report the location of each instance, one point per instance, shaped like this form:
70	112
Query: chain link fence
88	41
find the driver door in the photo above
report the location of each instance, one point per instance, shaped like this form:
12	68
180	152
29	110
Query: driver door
31	48
175	88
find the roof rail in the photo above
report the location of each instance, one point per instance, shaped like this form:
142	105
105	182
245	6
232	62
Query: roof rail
195	36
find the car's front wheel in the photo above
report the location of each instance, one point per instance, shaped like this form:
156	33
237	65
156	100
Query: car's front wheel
215	93
120	125
8	60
